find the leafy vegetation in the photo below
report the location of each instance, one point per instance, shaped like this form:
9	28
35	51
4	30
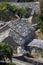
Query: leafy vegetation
24	12
40	20
5	11
11	64
41	7
6	51
8	12
41	54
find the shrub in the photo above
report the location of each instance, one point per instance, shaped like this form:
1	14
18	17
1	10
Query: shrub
41	7
24	12
40	20
7	12
6	51
41	54
11	64
41	16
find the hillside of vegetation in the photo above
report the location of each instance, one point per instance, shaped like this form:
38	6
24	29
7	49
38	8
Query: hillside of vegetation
39	19
8	12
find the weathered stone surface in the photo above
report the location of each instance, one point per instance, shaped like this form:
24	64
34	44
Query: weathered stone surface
21	31
36	43
18	39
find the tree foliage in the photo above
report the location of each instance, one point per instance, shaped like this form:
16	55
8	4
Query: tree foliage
40	20
8	12
5	11
6	51
24	12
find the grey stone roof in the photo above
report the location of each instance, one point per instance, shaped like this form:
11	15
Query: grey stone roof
9	40
21	31
36	43
22	27
17	38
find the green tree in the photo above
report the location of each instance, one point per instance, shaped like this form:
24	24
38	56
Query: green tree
6	51
8	12
5	11
40	19
24	12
